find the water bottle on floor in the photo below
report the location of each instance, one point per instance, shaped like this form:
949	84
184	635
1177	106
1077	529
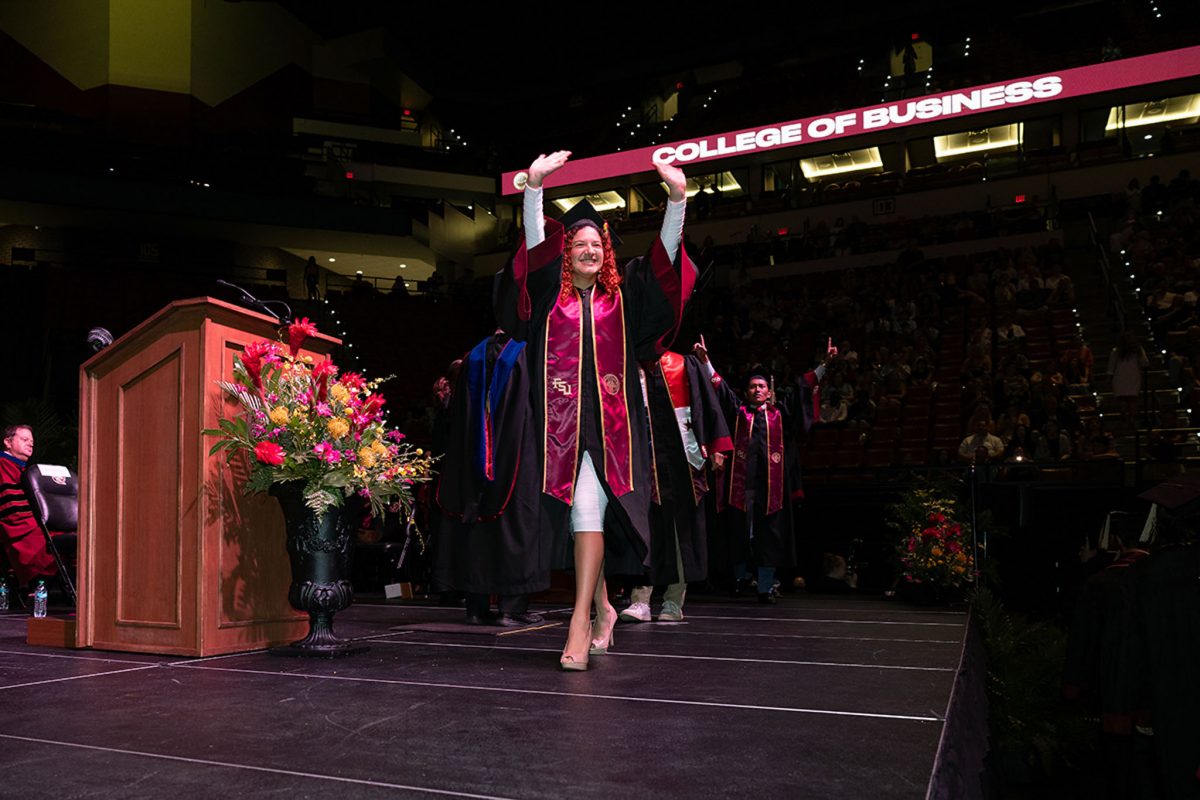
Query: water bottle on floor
40	599
3	595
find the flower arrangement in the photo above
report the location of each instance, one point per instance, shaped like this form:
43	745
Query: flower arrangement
302	421
936	553
933	548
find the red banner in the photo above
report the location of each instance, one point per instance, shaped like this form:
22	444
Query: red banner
1077	82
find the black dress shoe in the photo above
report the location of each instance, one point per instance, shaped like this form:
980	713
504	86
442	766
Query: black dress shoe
482	619
767	598
520	620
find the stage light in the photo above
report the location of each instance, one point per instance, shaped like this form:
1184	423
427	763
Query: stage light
332	259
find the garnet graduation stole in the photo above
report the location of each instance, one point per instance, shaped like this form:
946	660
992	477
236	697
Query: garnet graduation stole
563	381
741	453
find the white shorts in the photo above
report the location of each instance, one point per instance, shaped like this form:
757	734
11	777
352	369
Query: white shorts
587	509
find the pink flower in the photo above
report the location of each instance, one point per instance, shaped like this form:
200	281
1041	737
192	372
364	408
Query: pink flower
323	410
298	331
252	360
269	453
322	373
373	407
395	436
328	453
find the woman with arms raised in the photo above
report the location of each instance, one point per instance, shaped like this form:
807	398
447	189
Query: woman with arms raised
588	325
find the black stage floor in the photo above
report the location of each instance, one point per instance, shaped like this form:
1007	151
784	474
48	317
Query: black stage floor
838	697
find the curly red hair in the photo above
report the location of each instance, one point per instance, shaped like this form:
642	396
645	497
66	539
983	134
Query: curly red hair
609	278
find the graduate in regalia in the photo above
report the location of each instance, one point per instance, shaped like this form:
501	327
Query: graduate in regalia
587	325
687	430
762	480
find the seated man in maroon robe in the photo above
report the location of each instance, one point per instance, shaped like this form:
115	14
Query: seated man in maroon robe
24	544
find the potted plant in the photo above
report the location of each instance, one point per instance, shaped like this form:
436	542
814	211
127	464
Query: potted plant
315	438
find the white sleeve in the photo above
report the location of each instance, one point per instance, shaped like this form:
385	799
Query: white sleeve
672	227
535	221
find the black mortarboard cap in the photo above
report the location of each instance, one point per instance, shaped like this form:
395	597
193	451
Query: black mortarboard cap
585	210
1180	496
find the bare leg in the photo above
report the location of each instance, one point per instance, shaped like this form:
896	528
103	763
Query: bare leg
606	616
604	607
589	560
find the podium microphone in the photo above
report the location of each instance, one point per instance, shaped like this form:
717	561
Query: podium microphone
254	302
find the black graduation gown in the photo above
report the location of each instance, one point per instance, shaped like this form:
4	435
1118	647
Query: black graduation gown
774	542
651	318
492	539
1167	596
682	511
1102	650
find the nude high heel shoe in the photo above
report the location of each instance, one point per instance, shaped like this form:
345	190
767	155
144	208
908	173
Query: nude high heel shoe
573	662
602	633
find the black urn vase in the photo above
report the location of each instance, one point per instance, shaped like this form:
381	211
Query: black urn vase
319	548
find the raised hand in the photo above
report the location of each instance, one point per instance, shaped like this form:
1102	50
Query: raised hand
675	180
700	351
544	165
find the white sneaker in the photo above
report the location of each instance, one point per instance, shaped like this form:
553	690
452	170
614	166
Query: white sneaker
671	612
637	612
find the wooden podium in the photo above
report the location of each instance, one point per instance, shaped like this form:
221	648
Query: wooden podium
173	557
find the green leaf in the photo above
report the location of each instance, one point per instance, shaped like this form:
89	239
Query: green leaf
339	479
